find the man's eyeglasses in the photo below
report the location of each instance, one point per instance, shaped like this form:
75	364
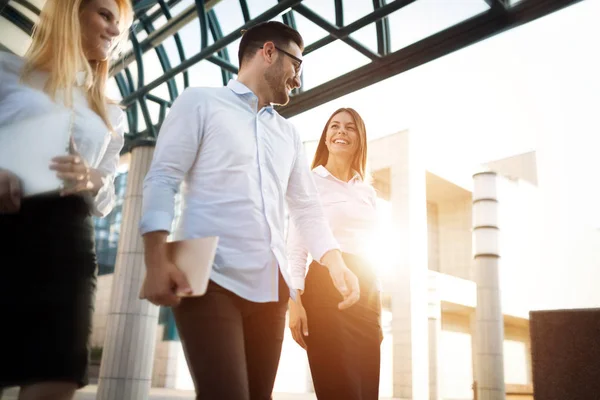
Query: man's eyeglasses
298	66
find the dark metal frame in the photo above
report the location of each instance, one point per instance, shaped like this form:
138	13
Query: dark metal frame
500	16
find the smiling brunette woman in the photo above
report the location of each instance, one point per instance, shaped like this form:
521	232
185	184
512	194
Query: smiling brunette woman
48	274
342	345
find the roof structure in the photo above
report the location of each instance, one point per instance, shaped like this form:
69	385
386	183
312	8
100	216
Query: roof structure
177	43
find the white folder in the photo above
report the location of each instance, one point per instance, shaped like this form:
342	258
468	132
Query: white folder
194	257
28	146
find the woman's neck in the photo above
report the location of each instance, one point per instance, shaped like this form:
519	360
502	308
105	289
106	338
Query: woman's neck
340	167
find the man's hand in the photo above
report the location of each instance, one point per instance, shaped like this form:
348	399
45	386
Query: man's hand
298	322
165	284
10	192
343	279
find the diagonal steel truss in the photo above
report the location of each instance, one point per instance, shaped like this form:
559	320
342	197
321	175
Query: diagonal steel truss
136	92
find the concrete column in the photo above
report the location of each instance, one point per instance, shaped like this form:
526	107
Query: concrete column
435	332
489	326
473	329
126	369
409	289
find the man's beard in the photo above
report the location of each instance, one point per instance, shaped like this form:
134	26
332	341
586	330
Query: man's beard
273	77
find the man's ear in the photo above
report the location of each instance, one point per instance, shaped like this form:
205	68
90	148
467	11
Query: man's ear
269	51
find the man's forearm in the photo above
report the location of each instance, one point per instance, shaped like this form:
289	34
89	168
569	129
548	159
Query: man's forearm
155	244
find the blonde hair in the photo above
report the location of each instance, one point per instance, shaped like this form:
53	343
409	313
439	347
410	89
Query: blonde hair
359	162
56	47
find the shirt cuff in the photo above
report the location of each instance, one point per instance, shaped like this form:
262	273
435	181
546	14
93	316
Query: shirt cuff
319	249
297	283
156	221
104	201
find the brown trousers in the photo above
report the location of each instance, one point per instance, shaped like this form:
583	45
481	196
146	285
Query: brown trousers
232	345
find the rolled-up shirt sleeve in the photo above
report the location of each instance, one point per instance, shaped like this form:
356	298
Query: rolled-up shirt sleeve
104	201
306	211
297	254
175	153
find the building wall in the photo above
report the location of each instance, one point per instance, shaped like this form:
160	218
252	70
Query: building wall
455	240
456	356
521	166
433	237
456	377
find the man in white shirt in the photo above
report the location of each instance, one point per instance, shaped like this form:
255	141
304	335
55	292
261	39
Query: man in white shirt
241	163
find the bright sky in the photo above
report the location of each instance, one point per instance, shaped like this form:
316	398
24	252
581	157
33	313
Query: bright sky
535	87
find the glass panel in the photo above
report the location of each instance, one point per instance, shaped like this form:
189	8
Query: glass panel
172	53
367	36
309	31
141	35
229	14
179	81
112	90
424	18
141	122
181	7
133	72
232	49
257	7
160	21
153	109
329	62
354	10
325	9
205	74
152	67
190	36
107	230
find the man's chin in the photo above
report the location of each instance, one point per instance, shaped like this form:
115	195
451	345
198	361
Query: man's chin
282	100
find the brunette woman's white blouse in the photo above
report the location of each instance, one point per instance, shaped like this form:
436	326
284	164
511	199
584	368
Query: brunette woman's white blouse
96	144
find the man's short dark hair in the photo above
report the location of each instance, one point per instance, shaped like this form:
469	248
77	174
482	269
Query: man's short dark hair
272	31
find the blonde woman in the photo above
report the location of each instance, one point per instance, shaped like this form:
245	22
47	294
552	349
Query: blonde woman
342	345
48	274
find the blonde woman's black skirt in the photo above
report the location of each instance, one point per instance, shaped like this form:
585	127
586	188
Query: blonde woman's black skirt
47	288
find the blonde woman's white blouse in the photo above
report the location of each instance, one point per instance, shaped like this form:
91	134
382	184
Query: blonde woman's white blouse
98	146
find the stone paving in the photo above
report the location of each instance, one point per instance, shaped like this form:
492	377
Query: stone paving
89	393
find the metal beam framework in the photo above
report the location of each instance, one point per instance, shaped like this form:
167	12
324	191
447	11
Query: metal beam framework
383	63
17	18
438	45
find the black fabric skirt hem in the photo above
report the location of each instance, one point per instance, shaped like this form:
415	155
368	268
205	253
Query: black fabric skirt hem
47	290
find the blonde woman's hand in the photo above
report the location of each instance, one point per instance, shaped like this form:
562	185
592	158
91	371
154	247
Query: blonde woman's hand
77	175
10	192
